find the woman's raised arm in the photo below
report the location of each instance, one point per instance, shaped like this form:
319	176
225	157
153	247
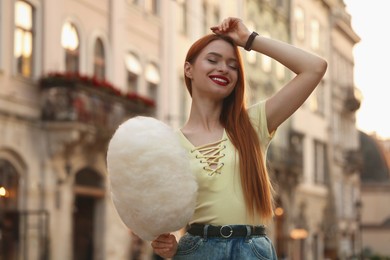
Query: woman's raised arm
309	69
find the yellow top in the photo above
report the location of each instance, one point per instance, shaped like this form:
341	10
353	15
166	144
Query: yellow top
220	198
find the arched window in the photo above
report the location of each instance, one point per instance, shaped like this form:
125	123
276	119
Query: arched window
23	38
99	62
153	79
70	41
9	183
134	69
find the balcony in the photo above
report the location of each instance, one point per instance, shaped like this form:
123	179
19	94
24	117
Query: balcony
353	161
75	106
352	100
75	98
287	166
285	158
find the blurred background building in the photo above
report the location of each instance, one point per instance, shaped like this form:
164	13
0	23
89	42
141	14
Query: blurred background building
72	71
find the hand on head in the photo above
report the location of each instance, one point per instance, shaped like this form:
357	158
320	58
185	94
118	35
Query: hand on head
234	28
165	245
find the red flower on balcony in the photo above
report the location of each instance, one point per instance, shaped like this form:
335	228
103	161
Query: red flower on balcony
70	78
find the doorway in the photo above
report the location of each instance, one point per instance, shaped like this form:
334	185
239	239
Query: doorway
89	193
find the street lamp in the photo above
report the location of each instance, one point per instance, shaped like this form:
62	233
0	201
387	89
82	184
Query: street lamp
3	192
299	233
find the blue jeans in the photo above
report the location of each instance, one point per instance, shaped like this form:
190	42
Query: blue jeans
241	248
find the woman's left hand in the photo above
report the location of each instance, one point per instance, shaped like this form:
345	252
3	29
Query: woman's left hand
234	28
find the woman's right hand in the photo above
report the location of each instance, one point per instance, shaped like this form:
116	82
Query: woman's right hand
165	245
234	28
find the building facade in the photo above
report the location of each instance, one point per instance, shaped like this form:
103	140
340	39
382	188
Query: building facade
72	71
344	140
375	193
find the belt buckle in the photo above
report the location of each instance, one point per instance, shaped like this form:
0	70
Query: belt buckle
230	231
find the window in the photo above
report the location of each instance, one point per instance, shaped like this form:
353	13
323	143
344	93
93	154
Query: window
71	44
182	16
316	246
300	23
99	64
134	69
296	149
317	99
133	2
151	6
217	16
280	3
153	79
280	71
339	194
320	163
24	38
204	12
315	34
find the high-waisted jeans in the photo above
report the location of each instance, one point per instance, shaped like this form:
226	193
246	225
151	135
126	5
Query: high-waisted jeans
215	248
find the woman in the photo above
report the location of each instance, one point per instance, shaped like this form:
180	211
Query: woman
227	143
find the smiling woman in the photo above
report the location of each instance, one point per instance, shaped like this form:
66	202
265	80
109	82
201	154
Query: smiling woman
227	142
370	76
218	62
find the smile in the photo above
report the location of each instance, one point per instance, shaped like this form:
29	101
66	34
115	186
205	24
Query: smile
223	81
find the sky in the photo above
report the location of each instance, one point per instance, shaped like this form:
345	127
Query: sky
370	20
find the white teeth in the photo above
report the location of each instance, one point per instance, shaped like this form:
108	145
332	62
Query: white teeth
219	79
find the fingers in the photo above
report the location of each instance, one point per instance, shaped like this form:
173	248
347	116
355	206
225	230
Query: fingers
226	25
165	245
163	241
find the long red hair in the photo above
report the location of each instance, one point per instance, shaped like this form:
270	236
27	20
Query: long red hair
255	181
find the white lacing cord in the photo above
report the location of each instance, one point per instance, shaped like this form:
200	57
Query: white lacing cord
210	154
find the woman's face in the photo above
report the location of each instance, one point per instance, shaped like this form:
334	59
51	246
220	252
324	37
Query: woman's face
215	71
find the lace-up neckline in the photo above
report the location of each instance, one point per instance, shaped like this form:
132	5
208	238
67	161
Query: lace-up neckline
210	155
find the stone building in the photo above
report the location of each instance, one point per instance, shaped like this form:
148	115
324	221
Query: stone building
343	235
375	196
72	71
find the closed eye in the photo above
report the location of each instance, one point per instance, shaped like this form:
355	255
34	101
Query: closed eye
234	67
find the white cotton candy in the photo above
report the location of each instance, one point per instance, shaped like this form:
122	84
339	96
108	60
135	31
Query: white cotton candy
152	187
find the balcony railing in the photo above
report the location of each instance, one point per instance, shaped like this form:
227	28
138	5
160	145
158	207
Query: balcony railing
353	161
286	166
75	98
285	158
352	101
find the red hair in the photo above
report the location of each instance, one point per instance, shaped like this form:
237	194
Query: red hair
255	181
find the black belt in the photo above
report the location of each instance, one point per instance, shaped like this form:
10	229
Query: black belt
226	231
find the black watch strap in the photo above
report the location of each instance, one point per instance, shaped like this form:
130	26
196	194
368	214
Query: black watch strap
249	42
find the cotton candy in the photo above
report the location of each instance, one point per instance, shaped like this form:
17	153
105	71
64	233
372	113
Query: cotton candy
152	187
